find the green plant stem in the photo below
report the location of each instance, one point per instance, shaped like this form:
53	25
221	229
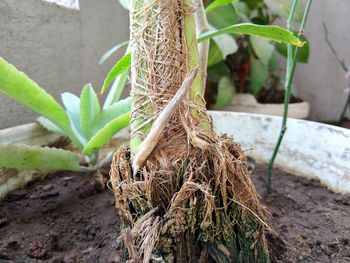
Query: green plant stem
289	47
291	66
203	48
197	89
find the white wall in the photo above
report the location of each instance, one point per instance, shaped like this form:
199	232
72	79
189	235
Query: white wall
322	81
57	47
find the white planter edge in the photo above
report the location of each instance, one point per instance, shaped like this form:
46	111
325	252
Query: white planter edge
309	149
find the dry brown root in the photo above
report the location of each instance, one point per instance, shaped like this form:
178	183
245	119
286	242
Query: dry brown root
201	208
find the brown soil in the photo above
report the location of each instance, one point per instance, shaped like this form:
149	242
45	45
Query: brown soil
68	218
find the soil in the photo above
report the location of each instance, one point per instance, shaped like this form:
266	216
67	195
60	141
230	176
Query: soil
68	217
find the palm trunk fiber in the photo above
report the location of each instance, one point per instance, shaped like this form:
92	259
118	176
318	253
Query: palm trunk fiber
192	199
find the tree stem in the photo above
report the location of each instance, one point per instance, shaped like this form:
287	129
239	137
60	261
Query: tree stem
197	90
203	48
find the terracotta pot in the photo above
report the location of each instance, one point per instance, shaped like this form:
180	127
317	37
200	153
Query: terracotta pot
248	103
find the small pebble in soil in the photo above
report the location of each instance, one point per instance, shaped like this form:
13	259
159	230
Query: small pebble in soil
38	250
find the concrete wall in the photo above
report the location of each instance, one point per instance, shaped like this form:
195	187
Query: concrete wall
322	81
57	47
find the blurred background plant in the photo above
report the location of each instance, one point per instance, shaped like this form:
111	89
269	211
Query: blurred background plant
247	64
242	63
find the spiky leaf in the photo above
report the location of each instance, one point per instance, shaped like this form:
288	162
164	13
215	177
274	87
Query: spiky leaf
125	4
49	125
89	109
116	89
111	51
110	113
121	66
20	156
25	91
72	104
106	133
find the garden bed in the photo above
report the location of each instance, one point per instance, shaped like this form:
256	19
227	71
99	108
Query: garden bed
68	218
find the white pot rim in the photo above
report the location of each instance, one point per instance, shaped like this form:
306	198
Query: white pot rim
309	149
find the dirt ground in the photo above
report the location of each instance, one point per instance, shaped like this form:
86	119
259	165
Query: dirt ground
68	218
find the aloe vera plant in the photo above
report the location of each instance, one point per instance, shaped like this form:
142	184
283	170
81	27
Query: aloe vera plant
184	193
88	125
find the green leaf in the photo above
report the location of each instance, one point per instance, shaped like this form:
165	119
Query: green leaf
262	48
226	91
116	89
216	72
111	51
110	113
304	51
49	125
218	3
89	109
25	91
242	11
34	157
72	104
273	63
269	32
121	66
125	4
226	43
258	75
106	133
214	54
282	8
223	16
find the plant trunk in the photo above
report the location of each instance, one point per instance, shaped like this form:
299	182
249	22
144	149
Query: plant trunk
192	199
